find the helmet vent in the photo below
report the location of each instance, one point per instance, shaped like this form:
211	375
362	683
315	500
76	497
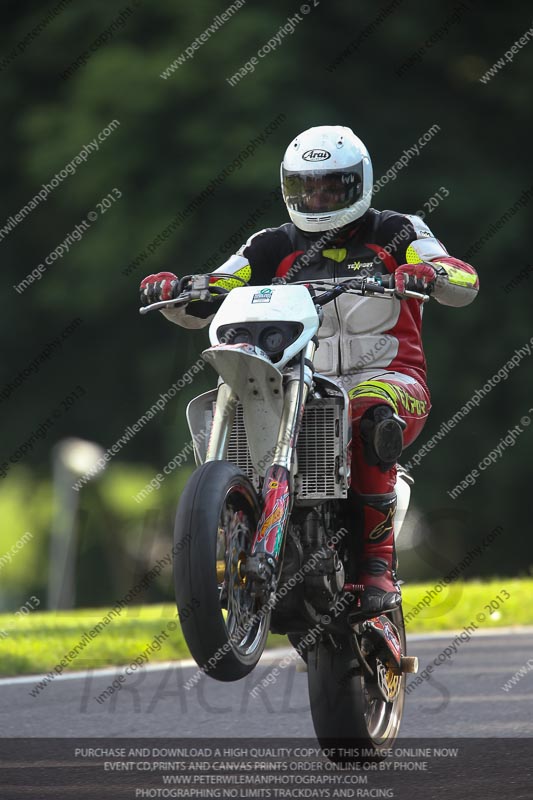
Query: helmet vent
318	219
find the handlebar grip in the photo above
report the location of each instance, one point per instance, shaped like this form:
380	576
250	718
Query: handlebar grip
377	288
376	284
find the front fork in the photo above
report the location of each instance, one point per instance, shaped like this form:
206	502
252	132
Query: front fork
278	492
222	424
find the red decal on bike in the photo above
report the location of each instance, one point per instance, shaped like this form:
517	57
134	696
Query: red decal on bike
246	348
390	635
275	510
269	524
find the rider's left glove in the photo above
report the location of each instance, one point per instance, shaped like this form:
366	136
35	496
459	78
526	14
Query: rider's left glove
414	278
160	286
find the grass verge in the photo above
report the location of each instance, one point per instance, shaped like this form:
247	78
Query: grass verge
36	643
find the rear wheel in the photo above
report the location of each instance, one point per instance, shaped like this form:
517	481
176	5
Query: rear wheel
223	624
348	708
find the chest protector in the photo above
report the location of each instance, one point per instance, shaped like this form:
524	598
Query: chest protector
356	332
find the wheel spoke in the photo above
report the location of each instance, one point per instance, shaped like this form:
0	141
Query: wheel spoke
216	522
236	532
382	716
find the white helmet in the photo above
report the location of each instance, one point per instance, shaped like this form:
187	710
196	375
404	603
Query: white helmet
326	178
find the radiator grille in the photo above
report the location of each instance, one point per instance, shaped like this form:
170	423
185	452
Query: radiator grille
238	452
318	450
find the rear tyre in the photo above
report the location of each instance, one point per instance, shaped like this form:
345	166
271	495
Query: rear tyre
223	625
348	712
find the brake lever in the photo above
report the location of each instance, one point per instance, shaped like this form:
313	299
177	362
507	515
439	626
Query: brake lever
416	295
181	300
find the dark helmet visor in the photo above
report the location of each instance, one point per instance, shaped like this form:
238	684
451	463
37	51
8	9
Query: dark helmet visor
322	192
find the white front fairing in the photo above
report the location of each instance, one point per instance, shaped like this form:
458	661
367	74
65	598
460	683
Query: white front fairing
269	304
258	385
247	370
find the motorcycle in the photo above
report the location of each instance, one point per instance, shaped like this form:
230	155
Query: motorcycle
263	527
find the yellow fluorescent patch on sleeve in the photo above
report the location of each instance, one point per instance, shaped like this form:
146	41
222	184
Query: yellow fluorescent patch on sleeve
232	283
412	256
456	276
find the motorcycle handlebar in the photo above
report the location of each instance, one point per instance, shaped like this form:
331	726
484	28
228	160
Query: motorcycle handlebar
361	287
197	287
366	286
192	287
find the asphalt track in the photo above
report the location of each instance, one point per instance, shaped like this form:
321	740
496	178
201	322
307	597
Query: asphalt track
463	699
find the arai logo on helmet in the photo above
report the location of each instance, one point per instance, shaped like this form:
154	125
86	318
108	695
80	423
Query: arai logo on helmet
316	155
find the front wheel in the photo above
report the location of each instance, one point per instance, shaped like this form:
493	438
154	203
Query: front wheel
223	624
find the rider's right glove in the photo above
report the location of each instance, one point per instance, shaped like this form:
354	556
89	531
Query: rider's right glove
160	286
414	277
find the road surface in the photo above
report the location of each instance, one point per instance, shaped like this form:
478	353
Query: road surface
463	698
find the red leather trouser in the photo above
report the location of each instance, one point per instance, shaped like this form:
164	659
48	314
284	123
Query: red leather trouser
409	399
373	487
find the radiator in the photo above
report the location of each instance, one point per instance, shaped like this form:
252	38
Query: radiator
318	450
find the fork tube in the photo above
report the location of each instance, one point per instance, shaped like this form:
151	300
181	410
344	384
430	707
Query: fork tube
222	424
288	423
292	412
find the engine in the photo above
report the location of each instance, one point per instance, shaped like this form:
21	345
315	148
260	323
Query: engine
312	577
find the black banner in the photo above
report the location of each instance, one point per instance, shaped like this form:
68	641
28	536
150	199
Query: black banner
263	768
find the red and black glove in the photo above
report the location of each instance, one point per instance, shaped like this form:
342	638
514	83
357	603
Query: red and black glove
414	278
160	286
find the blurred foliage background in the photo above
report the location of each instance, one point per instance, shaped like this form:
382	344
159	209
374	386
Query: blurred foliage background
174	136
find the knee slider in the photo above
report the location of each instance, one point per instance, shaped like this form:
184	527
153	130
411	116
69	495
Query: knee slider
382	436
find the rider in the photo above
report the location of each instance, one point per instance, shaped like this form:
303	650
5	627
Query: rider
373	349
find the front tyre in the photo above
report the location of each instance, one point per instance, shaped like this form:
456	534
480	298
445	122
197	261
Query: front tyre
223	624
